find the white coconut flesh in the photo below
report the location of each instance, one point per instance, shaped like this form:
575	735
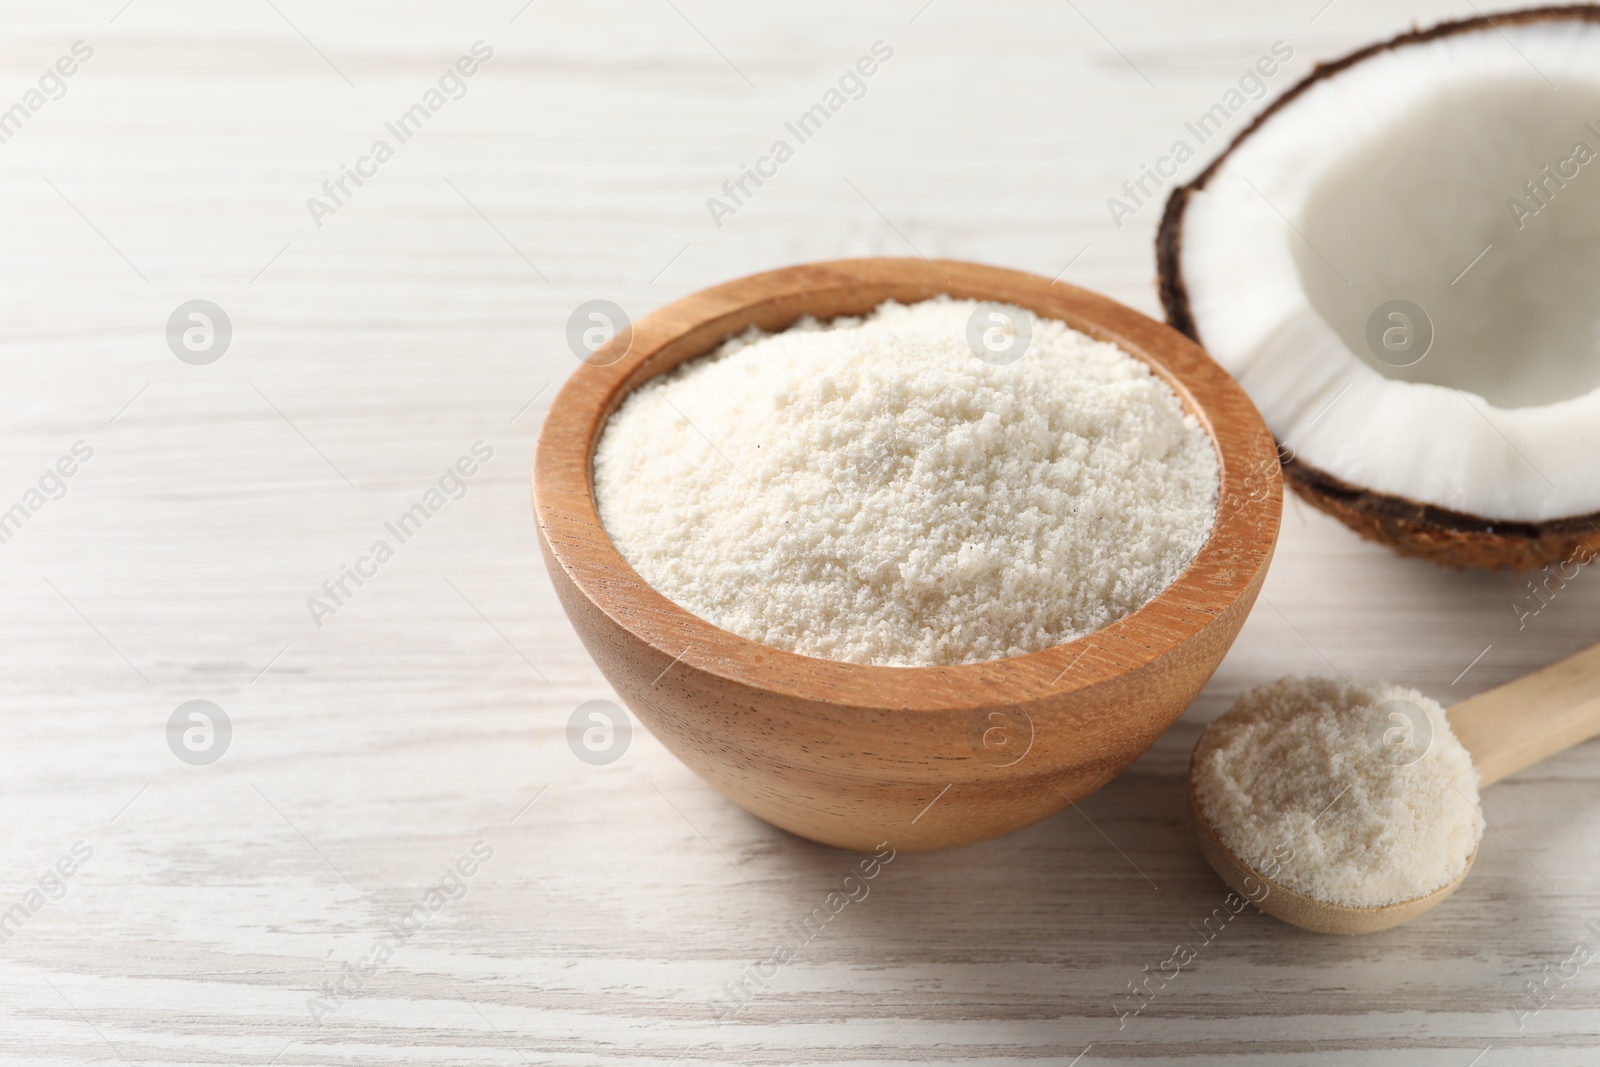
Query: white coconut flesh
1405	177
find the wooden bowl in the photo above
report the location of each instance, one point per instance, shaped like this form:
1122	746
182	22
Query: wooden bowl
919	757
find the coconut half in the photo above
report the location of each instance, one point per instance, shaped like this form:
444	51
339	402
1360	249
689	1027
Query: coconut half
1400	262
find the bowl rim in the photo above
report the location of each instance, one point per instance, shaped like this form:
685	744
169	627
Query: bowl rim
1225	569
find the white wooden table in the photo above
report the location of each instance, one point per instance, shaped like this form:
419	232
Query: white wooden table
221	902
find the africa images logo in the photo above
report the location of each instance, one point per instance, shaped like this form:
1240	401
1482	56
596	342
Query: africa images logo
451	85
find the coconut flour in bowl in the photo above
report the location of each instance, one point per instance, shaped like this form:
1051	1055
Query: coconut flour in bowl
869	490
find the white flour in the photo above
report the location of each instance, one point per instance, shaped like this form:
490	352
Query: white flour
869	490
1365	783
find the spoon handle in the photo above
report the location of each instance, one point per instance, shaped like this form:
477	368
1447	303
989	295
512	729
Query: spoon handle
1516	725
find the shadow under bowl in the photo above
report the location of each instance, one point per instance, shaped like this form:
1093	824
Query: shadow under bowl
921	757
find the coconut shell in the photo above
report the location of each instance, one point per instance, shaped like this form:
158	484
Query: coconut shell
1411	527
1446	537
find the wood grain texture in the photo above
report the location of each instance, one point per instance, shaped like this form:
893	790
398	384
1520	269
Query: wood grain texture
1514	726
854	755
432	708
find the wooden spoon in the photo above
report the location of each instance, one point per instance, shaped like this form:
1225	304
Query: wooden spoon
1504	730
